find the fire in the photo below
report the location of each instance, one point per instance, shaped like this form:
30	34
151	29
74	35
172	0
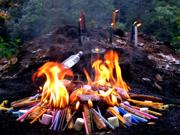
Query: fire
107	84
90	104
107	72
54	91
77	105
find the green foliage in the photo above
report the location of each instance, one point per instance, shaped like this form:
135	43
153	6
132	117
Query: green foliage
176	43
30	18
41	16
159	17
164	22
8	49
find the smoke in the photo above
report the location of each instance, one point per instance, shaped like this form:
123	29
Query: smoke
42	16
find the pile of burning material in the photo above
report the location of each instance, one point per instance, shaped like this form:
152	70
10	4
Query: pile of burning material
100	104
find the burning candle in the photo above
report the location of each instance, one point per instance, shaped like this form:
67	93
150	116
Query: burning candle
79	31
113	121
118	14
114	20
96	53
78	124
134	33
135	36
82	21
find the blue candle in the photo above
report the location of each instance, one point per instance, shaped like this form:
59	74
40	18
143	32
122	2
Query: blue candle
58	115
123	112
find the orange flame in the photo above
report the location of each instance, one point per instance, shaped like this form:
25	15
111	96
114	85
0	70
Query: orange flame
107	74
54	90
90	104
105	70
77	105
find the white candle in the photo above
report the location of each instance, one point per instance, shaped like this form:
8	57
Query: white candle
135	36
21	112
78	124
114	121
144	109
127	117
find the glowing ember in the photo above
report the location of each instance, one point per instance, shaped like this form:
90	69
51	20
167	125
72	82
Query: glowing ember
54	90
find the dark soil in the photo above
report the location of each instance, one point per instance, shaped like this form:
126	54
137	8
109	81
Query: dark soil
135	66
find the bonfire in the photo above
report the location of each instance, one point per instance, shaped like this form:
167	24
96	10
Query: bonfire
102	102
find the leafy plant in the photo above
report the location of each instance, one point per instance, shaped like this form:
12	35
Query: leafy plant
8	49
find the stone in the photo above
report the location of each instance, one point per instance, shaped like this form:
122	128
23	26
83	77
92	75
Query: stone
141	44
146	79
159	77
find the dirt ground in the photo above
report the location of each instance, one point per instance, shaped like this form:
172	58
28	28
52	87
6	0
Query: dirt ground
149	59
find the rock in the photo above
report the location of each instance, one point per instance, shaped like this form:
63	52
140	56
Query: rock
146	79
157	86
159	77
177	72
141	44
121	42
159	43
150	57
167	67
